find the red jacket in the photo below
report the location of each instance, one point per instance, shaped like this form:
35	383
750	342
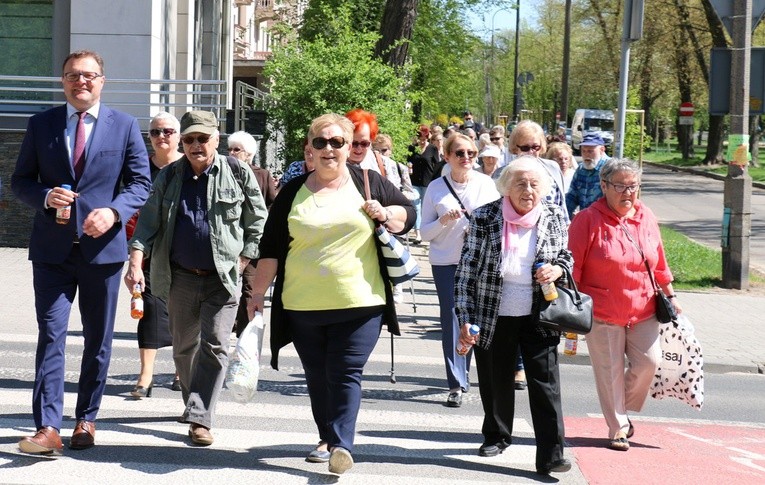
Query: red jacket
609	268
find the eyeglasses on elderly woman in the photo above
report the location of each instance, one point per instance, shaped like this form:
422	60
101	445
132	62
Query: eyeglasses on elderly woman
464	153
335	142
528	148
621	188
155	132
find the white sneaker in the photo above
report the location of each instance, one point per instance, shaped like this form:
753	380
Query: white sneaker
398	294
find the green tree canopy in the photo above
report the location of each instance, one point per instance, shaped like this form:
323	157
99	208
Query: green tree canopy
334	72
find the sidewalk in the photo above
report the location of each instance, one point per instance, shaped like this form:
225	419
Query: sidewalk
728	325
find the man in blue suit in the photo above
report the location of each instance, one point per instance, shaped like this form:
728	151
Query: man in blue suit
101	154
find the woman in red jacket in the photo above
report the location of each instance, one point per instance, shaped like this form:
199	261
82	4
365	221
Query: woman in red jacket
610	240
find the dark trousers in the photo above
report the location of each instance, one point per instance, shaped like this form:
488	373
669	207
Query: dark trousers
55	286
201	311
245	313
496	383
333	351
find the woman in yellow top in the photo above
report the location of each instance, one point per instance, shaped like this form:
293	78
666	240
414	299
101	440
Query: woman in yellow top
332	295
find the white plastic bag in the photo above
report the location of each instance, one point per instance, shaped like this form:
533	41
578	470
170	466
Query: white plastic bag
244	365
681	370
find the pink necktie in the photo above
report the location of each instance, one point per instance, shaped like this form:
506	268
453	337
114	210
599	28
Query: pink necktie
78	157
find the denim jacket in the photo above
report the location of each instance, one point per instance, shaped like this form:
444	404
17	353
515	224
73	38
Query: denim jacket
236	222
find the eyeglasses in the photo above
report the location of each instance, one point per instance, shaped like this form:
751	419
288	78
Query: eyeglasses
335	142
75	76
235	149
464	153
495	138
155	132
362	144
621	188
384	150
528	148
189	140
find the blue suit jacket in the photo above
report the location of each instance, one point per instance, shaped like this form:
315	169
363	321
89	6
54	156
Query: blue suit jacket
116	175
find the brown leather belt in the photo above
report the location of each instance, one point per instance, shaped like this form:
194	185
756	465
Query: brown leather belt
194	271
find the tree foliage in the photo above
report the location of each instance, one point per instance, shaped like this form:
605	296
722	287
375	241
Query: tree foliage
333	72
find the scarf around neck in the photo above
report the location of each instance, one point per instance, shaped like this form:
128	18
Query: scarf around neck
510	262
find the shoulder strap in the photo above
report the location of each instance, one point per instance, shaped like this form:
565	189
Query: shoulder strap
380	163
237	168
642	255
367	192
451	189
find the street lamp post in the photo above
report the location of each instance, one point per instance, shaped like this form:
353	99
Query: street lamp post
516	106
489	90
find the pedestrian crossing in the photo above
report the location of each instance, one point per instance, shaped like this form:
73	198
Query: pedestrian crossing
405	434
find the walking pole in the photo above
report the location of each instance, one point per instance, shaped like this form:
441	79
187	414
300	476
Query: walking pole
411	284
392	371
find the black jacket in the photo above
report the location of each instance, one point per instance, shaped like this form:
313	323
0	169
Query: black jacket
276	240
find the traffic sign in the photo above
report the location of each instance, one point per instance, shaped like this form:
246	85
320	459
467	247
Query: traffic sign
686	109
724	11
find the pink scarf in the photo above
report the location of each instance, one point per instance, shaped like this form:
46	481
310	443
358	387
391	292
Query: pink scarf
510	261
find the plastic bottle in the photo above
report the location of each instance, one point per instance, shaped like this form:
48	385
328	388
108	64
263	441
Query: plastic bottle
136	303
473	330
64	213
569	346
548	290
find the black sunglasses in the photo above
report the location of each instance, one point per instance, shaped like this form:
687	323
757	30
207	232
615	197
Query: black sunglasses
463	153
235	149
528	148
495	138
189	140
363	144
335	142
155	132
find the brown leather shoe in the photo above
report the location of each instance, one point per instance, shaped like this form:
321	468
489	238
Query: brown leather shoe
45	442
84	435
200	435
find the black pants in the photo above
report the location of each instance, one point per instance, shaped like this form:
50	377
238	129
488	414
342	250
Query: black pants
496	366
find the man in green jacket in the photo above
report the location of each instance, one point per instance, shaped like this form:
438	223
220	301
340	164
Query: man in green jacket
201	226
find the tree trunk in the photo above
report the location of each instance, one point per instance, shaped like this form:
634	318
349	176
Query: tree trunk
396	29
755	133
714	140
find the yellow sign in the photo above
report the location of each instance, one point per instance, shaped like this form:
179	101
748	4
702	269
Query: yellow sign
738	150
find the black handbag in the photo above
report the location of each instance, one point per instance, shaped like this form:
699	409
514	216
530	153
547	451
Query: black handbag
665	310
571	312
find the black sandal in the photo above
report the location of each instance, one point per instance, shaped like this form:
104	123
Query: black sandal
619	444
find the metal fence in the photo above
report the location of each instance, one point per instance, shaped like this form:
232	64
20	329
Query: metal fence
24	96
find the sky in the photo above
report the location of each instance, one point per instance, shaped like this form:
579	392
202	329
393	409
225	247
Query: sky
503	19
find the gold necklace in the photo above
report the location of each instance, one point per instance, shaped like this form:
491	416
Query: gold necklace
337	189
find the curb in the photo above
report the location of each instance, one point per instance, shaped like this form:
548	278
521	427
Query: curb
695	171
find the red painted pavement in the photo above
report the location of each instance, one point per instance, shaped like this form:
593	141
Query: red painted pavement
669	453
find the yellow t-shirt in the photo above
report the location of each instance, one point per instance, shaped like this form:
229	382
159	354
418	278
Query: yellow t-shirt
332	260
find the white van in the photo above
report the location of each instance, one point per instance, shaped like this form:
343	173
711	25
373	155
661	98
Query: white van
600	121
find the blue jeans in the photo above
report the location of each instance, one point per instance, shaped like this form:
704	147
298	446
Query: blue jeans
457	366
334	346
418	206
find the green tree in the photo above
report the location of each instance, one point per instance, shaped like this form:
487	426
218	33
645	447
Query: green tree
633	132
334	74
447	70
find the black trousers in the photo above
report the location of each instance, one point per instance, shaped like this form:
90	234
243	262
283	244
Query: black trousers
496	376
